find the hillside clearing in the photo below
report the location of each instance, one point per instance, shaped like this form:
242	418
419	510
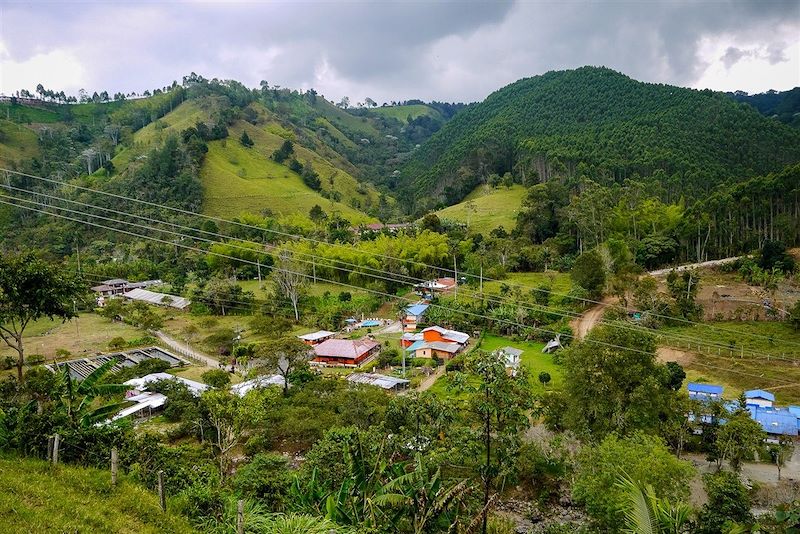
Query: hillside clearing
17	142
487	208
402	113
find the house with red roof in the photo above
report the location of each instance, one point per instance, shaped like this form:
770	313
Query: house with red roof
349	352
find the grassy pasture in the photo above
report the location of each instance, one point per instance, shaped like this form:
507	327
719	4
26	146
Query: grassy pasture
487	208
402	113
17	142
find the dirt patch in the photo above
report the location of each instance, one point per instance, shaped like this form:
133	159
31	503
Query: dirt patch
668	354
583	324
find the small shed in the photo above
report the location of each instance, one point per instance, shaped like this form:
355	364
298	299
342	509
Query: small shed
704	392
315	338
511	356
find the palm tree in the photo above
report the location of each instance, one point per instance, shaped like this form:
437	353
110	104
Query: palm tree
645	513
76	397
425	493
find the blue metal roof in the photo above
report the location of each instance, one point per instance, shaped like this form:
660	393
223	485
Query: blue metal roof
794	410
370	323
759	394
416	309
777	421
696	387
414	346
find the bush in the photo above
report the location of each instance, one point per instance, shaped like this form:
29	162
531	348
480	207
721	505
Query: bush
643	457
216	378
266	477
728	500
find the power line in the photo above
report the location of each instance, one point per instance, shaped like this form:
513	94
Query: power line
546	310
490	298
374	254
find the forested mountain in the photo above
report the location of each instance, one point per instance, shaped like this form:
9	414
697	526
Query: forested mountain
603	125
781	105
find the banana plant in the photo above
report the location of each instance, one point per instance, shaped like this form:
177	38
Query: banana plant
424	493
76	397
645	513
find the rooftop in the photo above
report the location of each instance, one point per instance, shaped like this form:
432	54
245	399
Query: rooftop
242	388
141	384
416	309
696	387
157	298
759	394
441	346
455	335
344	348
511	351
314	336
373	379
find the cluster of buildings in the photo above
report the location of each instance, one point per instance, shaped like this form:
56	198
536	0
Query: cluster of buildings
119	287
434	342
776	421
80	368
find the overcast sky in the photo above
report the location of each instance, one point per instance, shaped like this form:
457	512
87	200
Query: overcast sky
452	51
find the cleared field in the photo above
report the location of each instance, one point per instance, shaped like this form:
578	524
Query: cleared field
559	282
532	359
17	142
83	336
487	208
735	354
26	114
402	113
34	497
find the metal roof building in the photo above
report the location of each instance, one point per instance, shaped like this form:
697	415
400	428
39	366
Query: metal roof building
381	381
161	299
243	388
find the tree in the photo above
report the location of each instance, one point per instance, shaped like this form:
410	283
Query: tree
283	153
644	458
544	378
738	439
589	272
289	280
77	398
29	290
781	452
245	140
216	378
285	356
613	383
227	415
675	375
500	402
316	214
344	103
728	500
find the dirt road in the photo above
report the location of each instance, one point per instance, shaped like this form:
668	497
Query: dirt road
428	381
581	325
710	263
185	350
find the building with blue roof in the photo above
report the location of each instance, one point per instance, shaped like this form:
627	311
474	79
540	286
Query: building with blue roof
775	421
759	397
704	392
414	315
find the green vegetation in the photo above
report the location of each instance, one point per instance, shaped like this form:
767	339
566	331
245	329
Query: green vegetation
34	497
604	124
17	142
402	113
487	208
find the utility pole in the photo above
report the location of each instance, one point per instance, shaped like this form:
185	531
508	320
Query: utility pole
258	262
114	466
455	275
481	277
162	499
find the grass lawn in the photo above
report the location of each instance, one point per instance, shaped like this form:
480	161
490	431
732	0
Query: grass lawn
780	374
84	336
487	208
18	112
36	498
532	359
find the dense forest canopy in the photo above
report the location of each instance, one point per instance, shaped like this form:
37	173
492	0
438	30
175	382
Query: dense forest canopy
601	121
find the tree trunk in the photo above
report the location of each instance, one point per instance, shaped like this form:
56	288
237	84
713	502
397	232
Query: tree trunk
20	358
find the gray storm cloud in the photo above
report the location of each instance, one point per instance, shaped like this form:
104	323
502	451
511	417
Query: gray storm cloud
387	50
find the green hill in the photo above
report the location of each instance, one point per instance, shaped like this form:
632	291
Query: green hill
36	498
487	208
601	123
402	113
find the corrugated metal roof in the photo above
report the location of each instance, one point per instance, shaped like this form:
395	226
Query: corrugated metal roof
776	421
696	387
314	336
759	394
416	345
442	346
344	348
374	379
416	309
141	383
454	335
161	299
242	388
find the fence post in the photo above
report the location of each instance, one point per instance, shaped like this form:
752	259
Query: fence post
114	466
240	517
161	497
56	445
50	440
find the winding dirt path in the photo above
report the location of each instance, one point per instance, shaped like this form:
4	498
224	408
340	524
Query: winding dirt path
583	324
428	381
